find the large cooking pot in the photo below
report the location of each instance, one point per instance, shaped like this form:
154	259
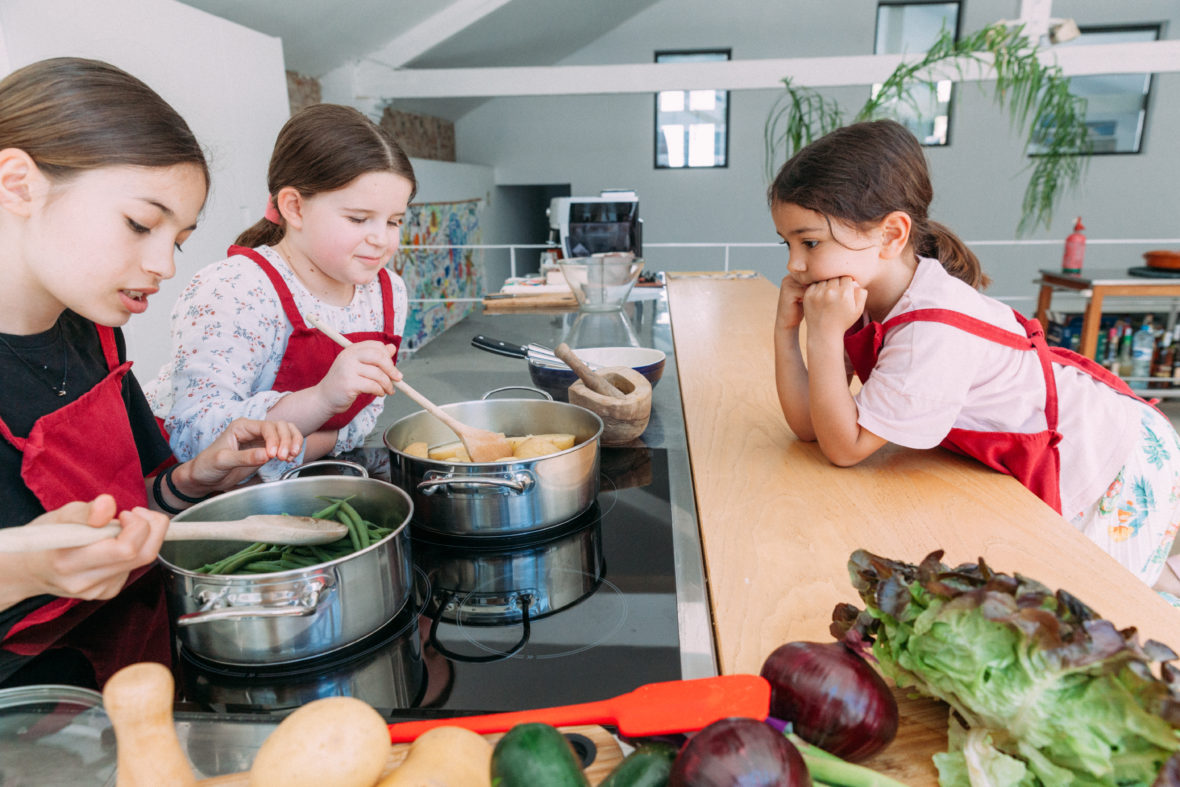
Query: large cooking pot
498	498
288	616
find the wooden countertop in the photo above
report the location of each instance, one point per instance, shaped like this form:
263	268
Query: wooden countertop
778	521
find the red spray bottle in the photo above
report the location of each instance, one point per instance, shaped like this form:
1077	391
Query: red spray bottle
1075	249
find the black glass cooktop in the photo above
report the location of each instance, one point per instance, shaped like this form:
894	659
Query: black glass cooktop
580	612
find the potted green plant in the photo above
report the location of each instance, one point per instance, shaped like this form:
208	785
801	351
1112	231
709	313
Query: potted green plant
1035	94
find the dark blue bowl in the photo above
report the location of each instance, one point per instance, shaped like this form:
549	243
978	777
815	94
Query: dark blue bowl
556	380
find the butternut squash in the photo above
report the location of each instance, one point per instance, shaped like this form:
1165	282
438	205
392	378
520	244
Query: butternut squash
444	757
331	742
138	699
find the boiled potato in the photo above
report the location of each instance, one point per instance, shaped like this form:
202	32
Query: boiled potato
523	447
535	446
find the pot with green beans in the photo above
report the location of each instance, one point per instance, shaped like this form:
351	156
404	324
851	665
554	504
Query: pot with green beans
251	604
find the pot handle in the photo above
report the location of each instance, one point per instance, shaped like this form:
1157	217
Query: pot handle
519	483
357	468
525	633
529	388
304	604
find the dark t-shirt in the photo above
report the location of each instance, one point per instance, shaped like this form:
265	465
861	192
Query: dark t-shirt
28	390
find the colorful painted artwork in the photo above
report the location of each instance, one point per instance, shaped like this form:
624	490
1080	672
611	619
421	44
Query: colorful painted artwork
433	273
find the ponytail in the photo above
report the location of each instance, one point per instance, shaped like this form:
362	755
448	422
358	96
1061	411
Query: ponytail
263	232
937	241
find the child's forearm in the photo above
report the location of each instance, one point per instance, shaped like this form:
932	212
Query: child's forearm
790	378
833	409
305	408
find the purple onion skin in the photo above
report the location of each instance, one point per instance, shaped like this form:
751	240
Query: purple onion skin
739	752
833	698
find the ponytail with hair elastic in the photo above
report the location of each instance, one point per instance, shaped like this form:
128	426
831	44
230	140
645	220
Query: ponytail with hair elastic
948	248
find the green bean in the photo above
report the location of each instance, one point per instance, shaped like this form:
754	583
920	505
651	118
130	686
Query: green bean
356	523
260	557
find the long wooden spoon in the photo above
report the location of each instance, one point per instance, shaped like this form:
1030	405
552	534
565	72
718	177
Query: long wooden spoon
481	444
267	528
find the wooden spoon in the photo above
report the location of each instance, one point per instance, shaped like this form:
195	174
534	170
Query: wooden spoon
481	444
593	380
267	528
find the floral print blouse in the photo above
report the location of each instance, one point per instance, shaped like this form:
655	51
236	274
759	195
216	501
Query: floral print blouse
229	334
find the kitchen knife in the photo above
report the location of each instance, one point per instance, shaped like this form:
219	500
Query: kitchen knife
653	709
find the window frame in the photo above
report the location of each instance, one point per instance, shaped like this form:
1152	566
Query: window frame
957	34
1158	29
655	156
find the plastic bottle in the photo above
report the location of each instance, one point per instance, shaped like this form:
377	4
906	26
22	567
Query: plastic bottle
1125	362
1075	249
1142	349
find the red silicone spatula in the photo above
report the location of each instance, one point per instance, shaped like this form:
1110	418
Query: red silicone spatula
653	709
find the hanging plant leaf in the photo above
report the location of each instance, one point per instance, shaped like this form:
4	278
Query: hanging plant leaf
1036	96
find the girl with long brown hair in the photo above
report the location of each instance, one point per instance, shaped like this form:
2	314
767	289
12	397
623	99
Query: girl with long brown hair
339	187
894	296
100	182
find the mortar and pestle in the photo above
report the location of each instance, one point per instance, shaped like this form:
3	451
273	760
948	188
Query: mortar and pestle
619	395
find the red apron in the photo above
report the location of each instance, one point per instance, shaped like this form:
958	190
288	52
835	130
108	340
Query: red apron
309	352
1032	458
76	453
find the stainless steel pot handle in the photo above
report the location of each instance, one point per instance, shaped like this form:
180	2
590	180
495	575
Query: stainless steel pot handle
215	607
529	388
294	471
525	600
519	482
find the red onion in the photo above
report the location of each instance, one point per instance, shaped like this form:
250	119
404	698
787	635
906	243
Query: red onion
739	752
833	698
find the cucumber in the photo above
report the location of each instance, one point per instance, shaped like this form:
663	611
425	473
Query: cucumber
536	754
647	766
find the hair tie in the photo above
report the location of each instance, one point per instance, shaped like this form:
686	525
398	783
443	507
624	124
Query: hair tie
272	213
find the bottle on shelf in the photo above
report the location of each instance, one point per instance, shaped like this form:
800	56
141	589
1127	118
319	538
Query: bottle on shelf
1176	357
1142	349
1165	357
1075	249
1125	366
1111	359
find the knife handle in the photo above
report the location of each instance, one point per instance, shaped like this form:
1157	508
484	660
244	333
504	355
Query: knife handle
499	347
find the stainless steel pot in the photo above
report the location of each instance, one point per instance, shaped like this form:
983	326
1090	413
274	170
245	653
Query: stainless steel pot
498	498
289	616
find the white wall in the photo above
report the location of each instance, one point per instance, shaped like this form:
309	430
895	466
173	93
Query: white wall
227	81
596	142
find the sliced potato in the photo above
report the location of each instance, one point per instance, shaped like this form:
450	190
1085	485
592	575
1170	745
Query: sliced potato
445	451
523	447
559	439
535	446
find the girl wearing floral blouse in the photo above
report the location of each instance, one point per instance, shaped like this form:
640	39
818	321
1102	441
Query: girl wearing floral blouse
242	345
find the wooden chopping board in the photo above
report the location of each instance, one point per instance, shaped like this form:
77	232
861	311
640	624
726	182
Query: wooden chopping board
521	303
608	756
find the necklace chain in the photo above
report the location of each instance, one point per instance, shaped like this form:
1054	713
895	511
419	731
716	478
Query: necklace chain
60	390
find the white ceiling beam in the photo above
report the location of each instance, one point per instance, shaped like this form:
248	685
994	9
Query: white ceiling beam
440	26
374	79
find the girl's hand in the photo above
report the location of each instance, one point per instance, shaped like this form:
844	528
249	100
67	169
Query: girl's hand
833	305
244	446
96	571
790	304
362	368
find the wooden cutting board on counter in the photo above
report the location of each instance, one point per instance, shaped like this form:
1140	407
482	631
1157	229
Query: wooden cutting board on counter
522	303
609	754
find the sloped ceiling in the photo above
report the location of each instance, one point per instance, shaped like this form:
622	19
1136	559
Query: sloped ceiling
319	36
